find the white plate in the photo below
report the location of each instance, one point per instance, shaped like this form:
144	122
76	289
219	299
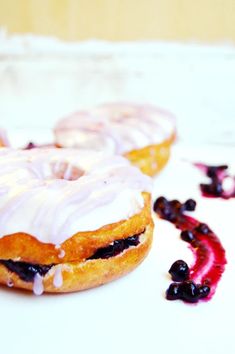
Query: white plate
131	315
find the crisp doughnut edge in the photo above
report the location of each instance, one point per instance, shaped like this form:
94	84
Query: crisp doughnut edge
26	248
89	273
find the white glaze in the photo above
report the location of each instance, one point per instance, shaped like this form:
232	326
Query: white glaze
36	200
38	287
117	127
61	254
58	277
10	283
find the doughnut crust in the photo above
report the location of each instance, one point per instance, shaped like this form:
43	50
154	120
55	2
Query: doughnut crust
151	159
80	275
78	271
2	142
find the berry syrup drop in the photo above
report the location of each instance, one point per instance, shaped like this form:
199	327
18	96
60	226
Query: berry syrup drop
217	176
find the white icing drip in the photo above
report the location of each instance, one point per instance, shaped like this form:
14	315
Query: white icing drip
33	199
58	277
38	287
118	127
10	283
61	254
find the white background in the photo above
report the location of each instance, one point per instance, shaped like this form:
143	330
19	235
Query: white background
47	81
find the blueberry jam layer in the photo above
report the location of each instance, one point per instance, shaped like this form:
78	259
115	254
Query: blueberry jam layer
201	280
117	247
217	176
26	271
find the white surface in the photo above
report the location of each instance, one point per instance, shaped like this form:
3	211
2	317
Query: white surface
131	315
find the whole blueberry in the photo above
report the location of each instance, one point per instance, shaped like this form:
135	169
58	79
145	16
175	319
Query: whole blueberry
175	204
166	212
160	204
172	292
179	271
202	228
190	205
187	236
204	290
189	291
169	214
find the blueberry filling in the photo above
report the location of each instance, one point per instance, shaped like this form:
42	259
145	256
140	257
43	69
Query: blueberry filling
116	247
26	271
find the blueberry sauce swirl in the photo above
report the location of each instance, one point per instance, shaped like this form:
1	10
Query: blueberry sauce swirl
201	279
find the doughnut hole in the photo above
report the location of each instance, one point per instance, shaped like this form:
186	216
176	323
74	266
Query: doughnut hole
64	170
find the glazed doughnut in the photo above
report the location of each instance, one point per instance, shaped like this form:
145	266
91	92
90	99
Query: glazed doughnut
70	219
142	133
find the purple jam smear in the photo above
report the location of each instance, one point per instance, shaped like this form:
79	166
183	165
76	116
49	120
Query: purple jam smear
116	247
26	271
210	260
217	176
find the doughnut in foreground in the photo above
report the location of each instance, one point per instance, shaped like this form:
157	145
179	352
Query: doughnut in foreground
70	220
